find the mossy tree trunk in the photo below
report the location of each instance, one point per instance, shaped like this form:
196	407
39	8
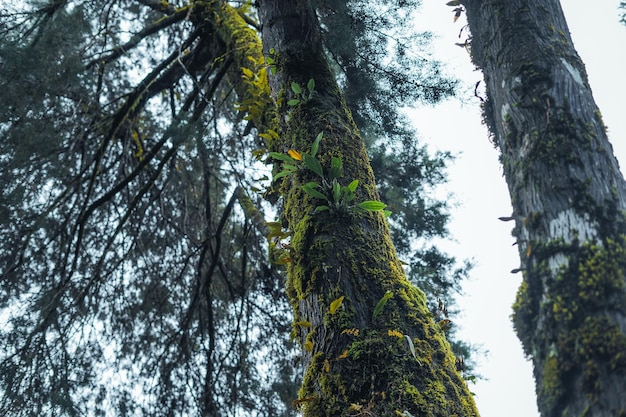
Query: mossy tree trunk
568	199
356	362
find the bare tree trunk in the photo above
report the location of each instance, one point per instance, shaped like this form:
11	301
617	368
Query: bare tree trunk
568	198
369	344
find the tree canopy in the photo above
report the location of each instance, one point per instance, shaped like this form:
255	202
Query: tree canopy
136	270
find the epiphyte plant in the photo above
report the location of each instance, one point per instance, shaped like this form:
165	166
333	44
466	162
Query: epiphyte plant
301	96
335	196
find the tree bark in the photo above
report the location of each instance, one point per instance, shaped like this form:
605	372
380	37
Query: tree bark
365	357
568	198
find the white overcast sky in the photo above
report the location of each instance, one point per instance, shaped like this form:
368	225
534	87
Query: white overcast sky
480	190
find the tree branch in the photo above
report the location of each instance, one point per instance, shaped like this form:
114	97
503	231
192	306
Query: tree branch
139	36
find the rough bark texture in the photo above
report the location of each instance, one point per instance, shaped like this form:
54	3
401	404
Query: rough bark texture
568	197
356	362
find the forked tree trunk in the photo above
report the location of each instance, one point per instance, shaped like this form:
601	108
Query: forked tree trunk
390	362
568	199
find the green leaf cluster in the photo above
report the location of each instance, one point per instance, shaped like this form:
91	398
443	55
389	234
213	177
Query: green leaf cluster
301	96
328	188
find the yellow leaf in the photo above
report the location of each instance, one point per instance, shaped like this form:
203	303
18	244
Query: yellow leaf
247	72
308	345
303	324
394	333
343	355
270	134
254	60
353	331
326	366
336	304
295	154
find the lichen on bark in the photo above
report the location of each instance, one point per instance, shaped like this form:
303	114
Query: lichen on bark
568	198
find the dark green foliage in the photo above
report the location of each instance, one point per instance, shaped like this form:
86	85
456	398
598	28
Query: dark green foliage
383	60
128	269
38	89
133	277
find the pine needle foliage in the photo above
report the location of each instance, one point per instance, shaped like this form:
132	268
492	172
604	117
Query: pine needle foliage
134	269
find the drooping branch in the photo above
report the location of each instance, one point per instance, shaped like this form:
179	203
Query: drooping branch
156	27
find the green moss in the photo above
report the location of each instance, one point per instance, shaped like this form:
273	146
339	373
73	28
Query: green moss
562	138
379	365
436	393
525	311
551	383
600	338
563	311
371	347
341	319
599	118
577	337
412	393
351	255
601	272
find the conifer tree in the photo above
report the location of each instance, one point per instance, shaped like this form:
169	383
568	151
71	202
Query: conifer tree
134	270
